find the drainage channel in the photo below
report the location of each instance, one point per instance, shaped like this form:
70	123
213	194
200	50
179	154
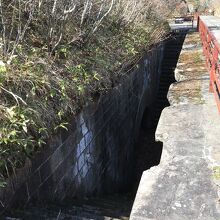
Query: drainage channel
148	151
147	154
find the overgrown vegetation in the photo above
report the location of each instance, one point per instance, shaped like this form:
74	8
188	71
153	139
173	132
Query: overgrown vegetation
202	6
58	54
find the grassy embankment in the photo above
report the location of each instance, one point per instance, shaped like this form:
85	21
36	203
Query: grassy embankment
50	72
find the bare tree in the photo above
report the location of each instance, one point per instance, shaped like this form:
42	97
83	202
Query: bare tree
13	24
63	21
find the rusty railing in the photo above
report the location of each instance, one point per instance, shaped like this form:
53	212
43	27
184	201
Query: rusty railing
211	50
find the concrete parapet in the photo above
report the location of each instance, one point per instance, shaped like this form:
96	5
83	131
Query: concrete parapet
185	185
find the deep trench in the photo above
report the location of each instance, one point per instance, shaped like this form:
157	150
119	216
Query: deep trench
148	150
147	154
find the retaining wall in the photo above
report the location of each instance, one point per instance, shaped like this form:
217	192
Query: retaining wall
95	156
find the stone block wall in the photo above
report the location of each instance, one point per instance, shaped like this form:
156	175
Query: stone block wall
95	156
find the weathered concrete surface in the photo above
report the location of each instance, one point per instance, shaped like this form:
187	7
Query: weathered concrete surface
185	186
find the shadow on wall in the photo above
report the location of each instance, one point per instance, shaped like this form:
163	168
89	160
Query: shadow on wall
147	150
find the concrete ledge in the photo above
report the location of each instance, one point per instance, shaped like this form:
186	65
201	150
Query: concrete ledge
185	186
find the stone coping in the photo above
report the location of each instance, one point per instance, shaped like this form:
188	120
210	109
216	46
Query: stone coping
185	185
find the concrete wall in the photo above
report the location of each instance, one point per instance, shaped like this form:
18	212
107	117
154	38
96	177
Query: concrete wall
96	155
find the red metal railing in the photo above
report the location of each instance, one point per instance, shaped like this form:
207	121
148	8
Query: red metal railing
211	49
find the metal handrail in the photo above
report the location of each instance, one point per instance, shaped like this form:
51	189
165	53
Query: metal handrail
211	50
